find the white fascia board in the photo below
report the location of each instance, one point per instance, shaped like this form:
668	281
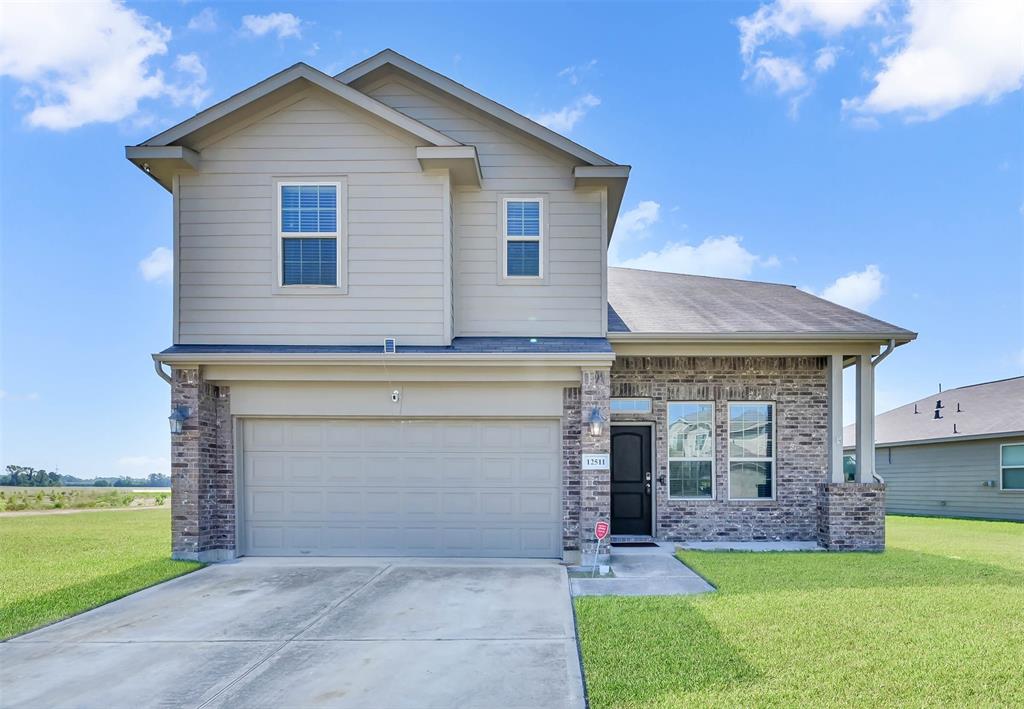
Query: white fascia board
315	77
459	359
467	95
461	161
162	163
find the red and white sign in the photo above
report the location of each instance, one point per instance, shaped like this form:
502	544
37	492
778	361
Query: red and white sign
601	529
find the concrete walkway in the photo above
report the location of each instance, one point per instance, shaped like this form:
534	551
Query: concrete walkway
643	571
283	633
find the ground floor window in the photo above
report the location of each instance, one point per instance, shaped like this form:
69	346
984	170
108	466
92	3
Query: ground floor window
751	450
1011	466
691	449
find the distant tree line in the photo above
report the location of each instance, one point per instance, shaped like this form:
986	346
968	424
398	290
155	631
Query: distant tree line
24	476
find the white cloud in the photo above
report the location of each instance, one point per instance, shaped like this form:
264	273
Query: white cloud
858	290
637	219
194	92
82	63
786	74
158	266
29	396
283	24
204	21
564	119
955	53
791	17
575	72
825	59
723	256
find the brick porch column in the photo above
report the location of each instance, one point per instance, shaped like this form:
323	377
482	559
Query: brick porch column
595	487
202	471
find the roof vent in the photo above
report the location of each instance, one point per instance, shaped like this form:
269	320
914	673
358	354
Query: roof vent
938	414
915	409
958	409
389	345
954	429
938	403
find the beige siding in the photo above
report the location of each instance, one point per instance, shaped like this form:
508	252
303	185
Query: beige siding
227	237
570	302
946	479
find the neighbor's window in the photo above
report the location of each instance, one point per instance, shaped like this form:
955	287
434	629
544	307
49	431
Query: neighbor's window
523	234
308	231
691	449
1011	466
631	406
751	451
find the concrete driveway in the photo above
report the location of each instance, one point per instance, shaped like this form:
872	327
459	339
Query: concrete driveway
282	633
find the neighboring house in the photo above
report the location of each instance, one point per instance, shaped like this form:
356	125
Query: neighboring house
958	453
395	332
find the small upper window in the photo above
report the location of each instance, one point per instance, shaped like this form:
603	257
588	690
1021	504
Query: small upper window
523	234
308	231
630	406
1011	467
751	451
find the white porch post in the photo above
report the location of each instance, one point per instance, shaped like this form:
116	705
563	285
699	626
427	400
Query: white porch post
865	419
835	418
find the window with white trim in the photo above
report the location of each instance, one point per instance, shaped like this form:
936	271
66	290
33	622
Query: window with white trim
752	450
524	233
691	449
1011	467
308	232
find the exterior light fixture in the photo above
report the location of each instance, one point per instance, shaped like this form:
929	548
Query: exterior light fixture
597	422
178	417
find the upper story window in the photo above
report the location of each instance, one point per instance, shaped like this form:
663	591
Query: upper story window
524	235
307	223
1011	466
752	450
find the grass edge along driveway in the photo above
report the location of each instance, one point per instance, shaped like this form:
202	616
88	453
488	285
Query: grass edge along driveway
55	566
935	620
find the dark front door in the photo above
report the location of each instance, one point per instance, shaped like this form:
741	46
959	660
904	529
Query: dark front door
631	480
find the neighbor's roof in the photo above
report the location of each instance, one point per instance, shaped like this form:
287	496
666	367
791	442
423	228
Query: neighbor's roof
673	304
985	410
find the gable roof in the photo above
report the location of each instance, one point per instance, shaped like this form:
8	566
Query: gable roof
297	76
365	71
675	304
988	409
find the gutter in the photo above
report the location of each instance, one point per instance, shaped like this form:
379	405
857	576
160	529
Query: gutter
159	367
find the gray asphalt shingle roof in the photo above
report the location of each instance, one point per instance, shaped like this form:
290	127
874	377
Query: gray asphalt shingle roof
468	345
986	409
673	303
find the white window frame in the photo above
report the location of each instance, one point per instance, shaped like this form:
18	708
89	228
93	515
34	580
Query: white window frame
730	460
669	458
505	238
340	254
633	412
1003	467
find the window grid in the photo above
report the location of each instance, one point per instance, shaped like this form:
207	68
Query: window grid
744	418
523	236
702	428
308	233
1011	460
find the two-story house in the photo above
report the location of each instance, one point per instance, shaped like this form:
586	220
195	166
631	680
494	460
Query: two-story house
396	333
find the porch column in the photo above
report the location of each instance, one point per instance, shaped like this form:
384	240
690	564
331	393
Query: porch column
865	419
595	492
835	418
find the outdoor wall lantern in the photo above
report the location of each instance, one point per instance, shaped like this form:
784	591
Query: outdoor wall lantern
597	422
178	417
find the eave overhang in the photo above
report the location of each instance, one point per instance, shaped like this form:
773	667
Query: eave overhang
611	177
162	163
901	337
391	360
461	161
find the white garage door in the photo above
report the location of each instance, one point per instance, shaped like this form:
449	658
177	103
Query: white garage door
410	487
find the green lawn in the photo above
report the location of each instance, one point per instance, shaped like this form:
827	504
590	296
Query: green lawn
53	566
936	620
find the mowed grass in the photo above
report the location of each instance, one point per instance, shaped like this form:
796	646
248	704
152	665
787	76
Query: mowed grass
935	621
53	566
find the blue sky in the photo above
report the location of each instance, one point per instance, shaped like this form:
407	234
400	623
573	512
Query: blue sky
872	151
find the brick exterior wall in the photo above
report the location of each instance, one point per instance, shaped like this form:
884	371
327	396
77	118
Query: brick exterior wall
202	471
799	388
595	490
571	480
851	516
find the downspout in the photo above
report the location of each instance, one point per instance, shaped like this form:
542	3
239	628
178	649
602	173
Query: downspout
875	361
159	367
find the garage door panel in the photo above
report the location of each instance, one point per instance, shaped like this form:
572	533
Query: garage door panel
430	488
